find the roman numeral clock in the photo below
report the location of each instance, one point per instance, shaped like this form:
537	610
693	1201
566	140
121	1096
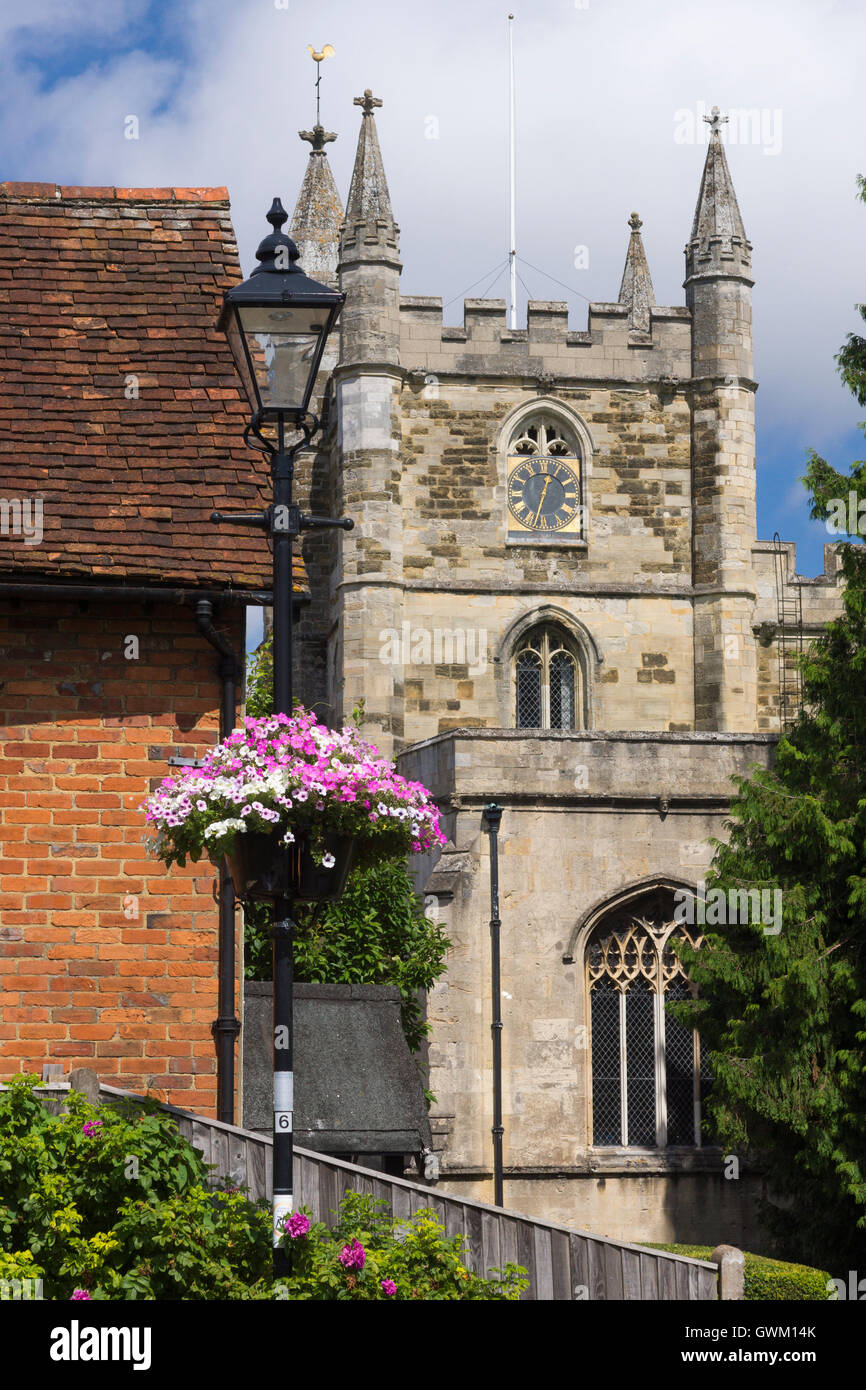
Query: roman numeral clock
544	499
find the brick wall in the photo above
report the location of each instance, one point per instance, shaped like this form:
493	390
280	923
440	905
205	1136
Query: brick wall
107	958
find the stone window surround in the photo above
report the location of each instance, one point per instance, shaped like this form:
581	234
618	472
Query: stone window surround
621	1157
582	645
510	429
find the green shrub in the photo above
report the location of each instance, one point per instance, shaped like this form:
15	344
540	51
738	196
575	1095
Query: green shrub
766	1278
377	934
113	1202
385	1258
122	1211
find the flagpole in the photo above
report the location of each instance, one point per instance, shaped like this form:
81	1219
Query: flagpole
512	240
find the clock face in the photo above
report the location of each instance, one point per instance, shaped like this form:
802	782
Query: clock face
543	493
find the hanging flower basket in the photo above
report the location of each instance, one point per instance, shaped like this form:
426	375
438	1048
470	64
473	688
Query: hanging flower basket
284	800
263	868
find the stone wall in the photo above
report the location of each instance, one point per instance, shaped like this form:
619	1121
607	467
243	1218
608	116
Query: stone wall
588	819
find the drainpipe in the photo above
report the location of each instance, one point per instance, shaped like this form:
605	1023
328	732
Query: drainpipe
225	1026
493	818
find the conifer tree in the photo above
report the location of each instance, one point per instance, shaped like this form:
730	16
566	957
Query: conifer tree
784	1016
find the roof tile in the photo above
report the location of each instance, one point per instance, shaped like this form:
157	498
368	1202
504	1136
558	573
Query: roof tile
120	407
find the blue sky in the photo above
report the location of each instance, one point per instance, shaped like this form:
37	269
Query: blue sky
220	90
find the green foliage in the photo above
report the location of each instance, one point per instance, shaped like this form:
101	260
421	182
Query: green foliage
768	1279
851	359
124	1213
73	1210
416	1255
377	934
784	1016
20	1264
260	679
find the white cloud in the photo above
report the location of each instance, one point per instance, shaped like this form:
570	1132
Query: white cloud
598	89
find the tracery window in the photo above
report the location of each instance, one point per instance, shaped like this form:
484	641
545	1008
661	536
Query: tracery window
547	678
543	434
647	1073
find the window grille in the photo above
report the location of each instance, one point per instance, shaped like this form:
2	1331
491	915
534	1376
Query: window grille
648	1075
547	679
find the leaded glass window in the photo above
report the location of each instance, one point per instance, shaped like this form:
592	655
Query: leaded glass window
648	1075
547	681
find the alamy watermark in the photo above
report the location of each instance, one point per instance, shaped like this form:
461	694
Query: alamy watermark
854	1290
741	125
22	516
847	518
21	1289
438	646
736	907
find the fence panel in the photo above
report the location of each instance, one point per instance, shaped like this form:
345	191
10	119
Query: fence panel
562	1264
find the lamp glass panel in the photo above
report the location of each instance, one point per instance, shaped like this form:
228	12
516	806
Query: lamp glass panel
282	363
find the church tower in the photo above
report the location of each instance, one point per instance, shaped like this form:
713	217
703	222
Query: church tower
718	288
368	582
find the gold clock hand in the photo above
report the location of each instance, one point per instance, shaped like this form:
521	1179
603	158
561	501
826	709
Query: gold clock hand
541	503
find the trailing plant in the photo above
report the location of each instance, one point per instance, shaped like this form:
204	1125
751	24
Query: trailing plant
377	934
283	775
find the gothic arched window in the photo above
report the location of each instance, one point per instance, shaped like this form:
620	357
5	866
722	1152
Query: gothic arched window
647	1073
544	435
547	680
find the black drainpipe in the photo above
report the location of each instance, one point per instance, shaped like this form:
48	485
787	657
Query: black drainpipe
493	817
226	1026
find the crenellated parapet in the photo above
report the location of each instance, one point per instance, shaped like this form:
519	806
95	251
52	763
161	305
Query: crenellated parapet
609	349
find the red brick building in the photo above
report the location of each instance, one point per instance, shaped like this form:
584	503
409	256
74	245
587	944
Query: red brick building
121	425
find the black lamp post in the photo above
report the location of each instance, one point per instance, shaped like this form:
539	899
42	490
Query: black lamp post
277	323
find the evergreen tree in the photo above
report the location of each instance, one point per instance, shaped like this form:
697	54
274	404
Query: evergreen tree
784	1016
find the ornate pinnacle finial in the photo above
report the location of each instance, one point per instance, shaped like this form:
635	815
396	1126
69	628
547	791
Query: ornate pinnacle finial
318	137
634	222
368	101
715	121
277	215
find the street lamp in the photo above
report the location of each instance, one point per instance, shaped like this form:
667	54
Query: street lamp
277	323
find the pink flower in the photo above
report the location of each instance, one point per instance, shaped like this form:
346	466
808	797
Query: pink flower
80	1294
89	1128
296	1225
353	1256
389	1286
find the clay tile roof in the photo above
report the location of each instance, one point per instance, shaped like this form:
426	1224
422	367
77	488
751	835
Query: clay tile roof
120	406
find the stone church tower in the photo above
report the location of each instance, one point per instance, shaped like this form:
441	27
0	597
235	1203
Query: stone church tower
554	598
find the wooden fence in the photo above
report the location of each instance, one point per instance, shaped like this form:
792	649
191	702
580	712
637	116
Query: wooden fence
562	1264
